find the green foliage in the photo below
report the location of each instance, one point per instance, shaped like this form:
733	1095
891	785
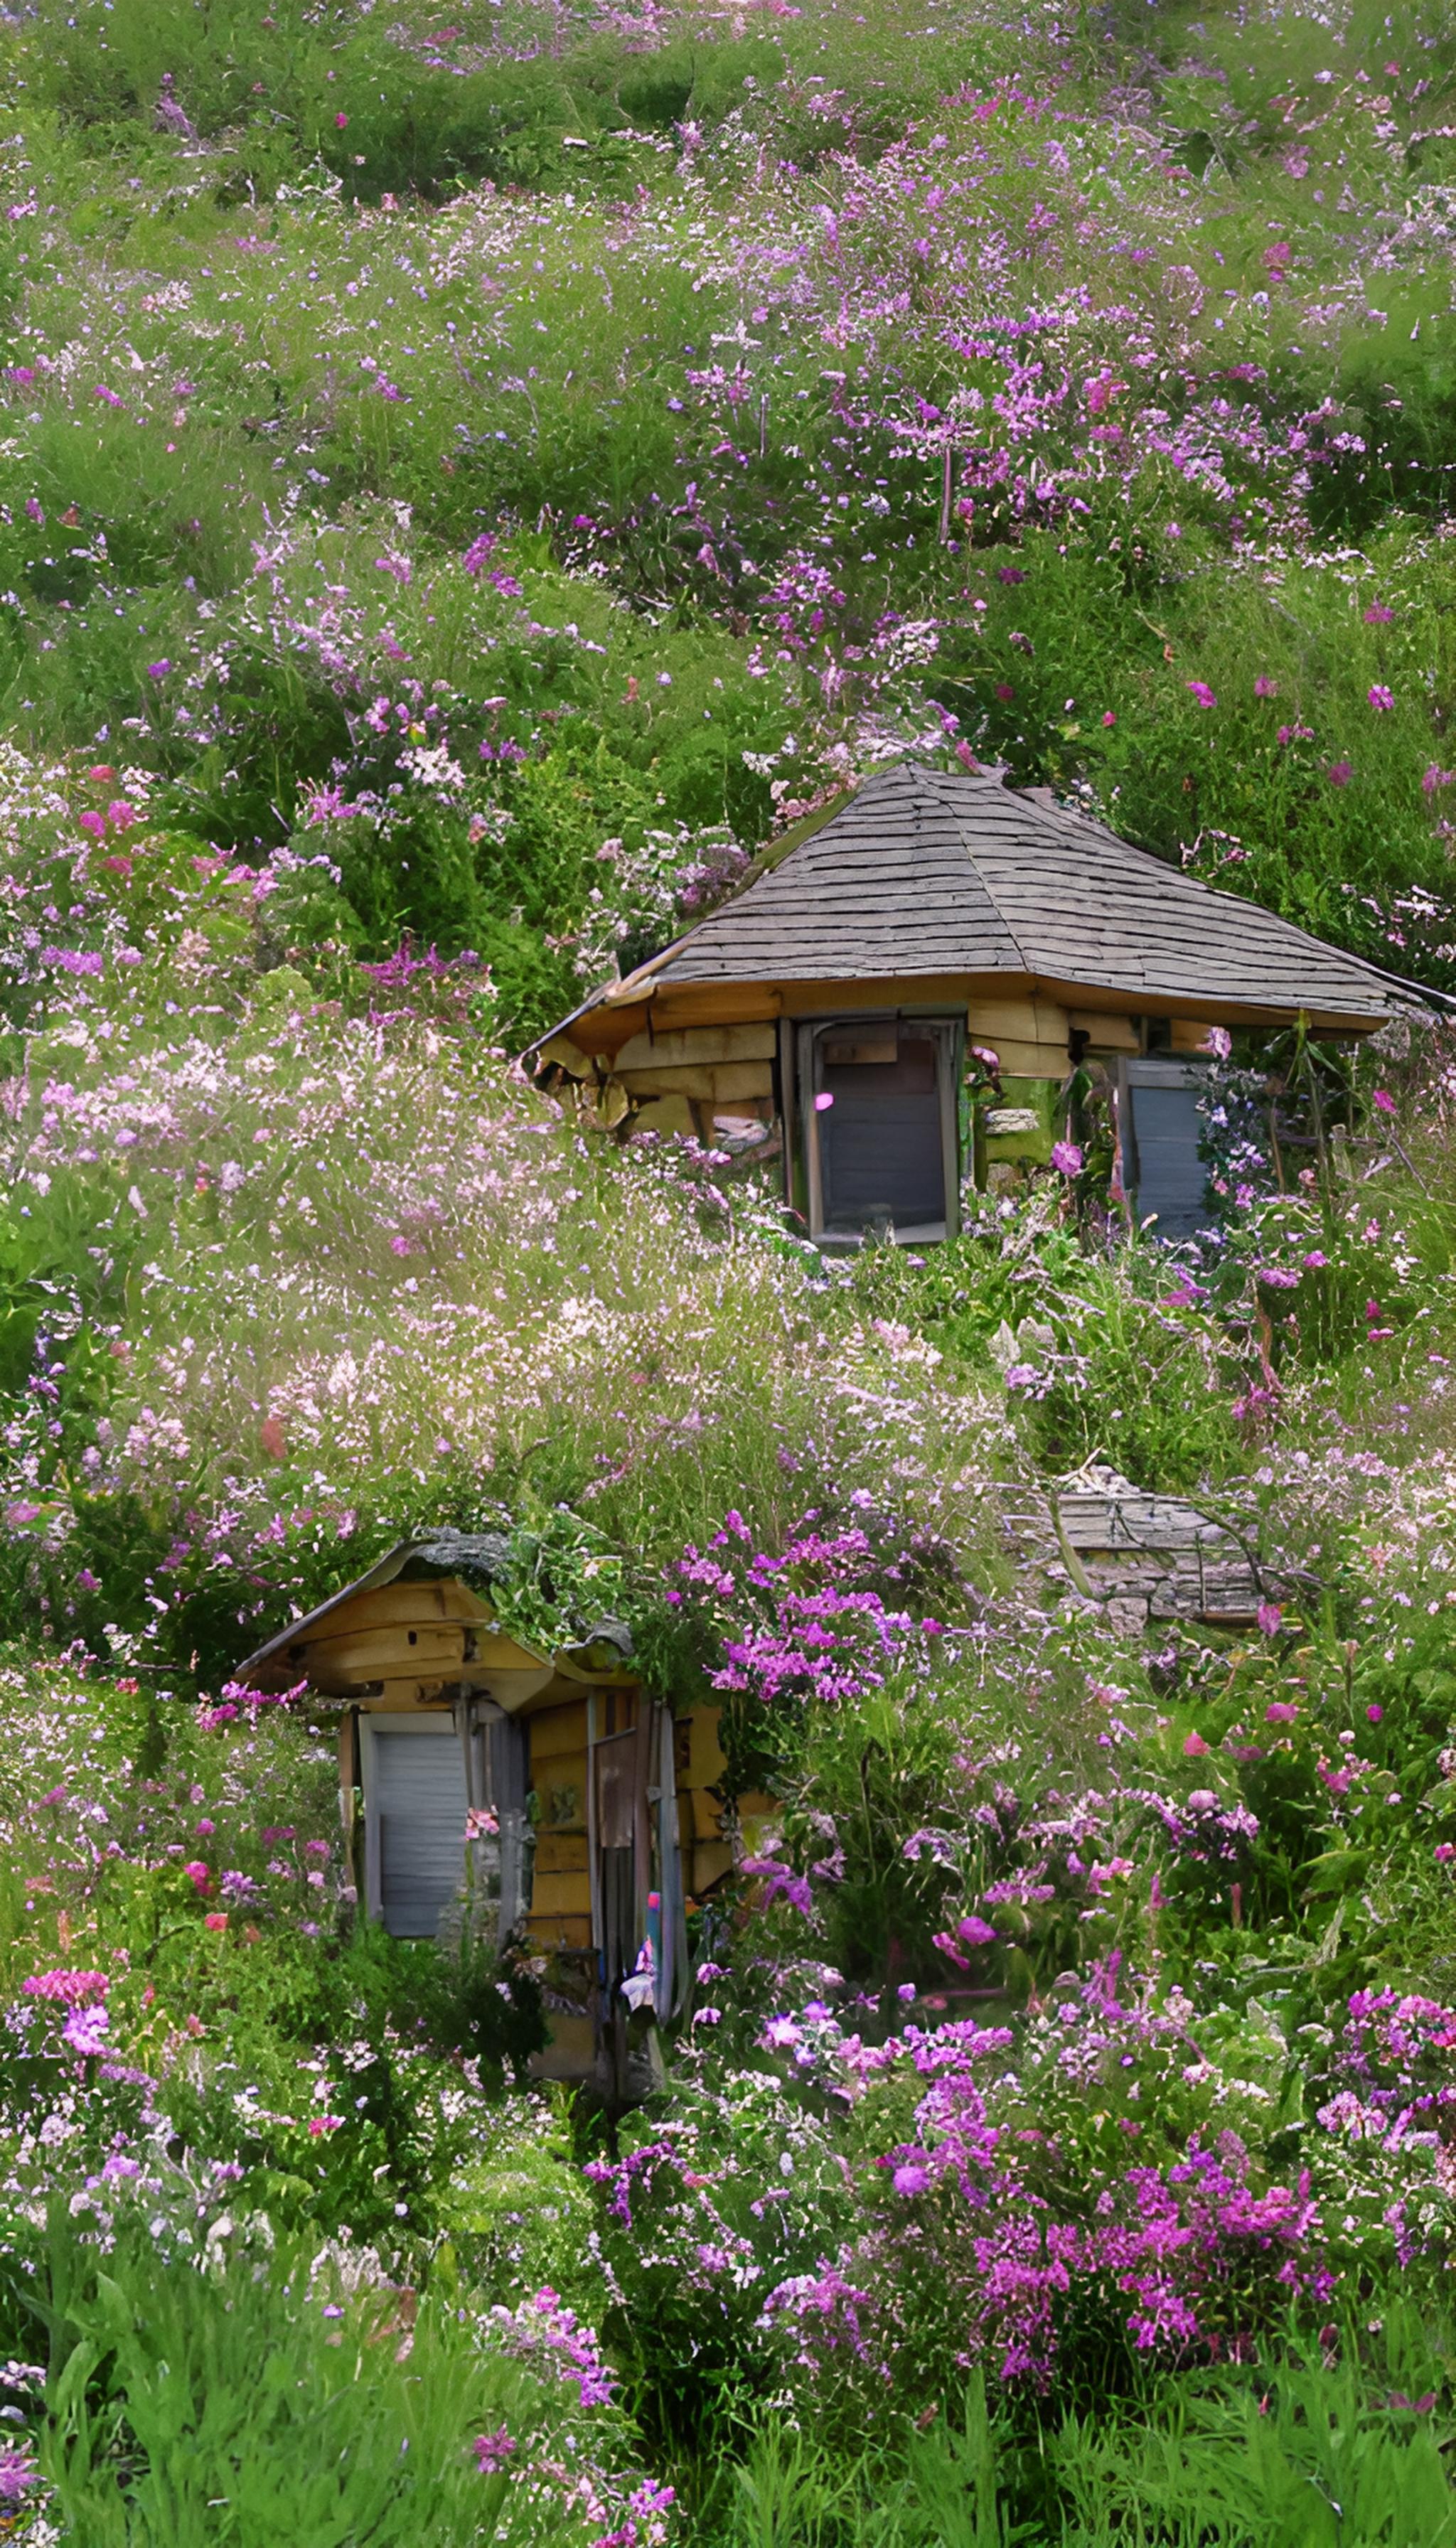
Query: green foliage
243	2389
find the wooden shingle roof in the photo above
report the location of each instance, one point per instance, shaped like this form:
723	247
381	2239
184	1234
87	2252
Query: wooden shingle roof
928	872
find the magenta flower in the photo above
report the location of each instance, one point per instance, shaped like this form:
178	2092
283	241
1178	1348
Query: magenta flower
341	123
1193	1747
1384	1100
1109	717
1203	694
1379	614
975	1931
492	2450
822	1100
1374	1713
1067	1156
1280	1711
1264	689
1379	698
1339	773
1270	1616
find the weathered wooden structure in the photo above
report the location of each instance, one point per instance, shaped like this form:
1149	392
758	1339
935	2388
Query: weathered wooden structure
829	1007
543	1797
1151	1558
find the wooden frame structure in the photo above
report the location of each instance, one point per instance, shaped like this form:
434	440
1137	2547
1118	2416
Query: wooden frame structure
570	1815
942	895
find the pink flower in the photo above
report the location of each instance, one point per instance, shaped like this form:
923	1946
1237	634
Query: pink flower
1384	1100
319	2124
199	1874
1379	698
1339	773
1374	1713
1203	694
1264	689
1280	1711
61	1983
1314	1259
975	1931
1193	1747
1379	614
1067	1156
341	123
1434	776
216	1920
1108	717
822	1100
1270	1616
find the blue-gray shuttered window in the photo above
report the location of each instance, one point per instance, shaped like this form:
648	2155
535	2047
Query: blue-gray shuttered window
879	1123
1162	1162
418	1796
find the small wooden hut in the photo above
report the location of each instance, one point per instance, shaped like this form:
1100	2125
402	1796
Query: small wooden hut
543	1797
828	1007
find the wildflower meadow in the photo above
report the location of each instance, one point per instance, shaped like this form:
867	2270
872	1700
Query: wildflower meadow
465	490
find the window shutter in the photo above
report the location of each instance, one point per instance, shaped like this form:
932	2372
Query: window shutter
1167	1173
419	1800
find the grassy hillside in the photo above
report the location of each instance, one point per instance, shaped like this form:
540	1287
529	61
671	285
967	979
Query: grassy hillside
464	488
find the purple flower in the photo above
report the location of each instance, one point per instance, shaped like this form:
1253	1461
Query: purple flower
1264	689
912	2177
1270	1616
1379	698
1067	1156
1339	773
85	2030
1203	694
18	2471
1379	614
476	555
158	672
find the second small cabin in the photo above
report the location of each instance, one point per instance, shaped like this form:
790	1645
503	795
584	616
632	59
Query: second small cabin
545	1798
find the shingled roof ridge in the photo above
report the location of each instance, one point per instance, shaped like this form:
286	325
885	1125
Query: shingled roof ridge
943	782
